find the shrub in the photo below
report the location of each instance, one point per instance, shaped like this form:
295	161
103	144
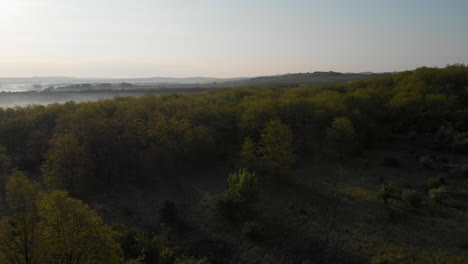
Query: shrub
411	197
436	194
385	191
242	187
388	258
239	199
436	182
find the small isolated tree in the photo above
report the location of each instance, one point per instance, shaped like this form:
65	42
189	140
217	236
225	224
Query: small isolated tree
242	187
275	148
385	191
238	200
341	137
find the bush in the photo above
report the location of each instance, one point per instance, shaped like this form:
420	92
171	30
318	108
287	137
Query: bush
411	197
436	194
238	201
242	187
436	182
385	191
388	258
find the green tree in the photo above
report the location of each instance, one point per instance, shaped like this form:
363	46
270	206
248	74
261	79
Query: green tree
52	228
18	231
242	187
6	165
249	152
72	233
67	164
276	146
385	191
341	136
238	201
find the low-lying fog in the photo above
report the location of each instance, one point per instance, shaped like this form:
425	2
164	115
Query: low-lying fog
11	99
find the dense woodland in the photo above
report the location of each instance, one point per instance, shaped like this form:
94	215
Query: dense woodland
372	171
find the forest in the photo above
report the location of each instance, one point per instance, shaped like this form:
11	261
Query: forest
370	171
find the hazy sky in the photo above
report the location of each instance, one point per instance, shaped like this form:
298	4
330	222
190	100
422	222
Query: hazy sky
218	38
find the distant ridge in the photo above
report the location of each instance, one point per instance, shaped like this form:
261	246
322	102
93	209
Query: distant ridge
283	80
301	79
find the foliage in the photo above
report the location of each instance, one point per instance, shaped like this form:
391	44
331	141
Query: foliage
67	165
437	194
70	231
242	187
385	191
19	239
52	228
240	197
411	197
249	152
275	146
162	249
6	165
341	136
84	147
91	148
190	260
435	182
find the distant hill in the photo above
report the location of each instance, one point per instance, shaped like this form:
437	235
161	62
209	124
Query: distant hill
74	84
301	79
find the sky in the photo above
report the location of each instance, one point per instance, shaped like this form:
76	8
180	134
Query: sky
218	38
